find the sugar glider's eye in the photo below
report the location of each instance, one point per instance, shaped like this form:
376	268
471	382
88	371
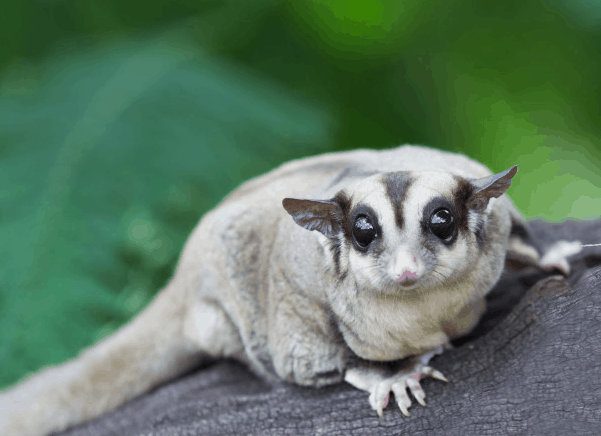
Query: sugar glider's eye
363	231
442	223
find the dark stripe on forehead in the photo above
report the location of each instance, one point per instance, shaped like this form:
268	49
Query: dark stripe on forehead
396	185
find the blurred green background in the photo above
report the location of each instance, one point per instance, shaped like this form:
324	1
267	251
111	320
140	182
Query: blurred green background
121	122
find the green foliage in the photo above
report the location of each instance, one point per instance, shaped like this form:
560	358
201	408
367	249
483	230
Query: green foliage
105	169
122	122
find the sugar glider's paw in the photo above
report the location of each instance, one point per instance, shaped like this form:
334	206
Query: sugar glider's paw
380	383
556	257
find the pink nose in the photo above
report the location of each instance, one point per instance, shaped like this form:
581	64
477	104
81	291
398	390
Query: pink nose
408	278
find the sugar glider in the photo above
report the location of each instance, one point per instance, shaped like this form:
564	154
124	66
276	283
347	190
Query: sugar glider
325	269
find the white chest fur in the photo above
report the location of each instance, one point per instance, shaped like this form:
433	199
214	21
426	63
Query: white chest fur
387	327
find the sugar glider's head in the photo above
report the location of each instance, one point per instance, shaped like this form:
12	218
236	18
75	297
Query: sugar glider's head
400	231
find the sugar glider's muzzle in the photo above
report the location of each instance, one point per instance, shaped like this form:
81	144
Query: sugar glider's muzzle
406	268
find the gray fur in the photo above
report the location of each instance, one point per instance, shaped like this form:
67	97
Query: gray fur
258	285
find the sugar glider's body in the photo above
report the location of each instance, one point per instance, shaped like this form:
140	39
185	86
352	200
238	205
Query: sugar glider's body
229	240
407	243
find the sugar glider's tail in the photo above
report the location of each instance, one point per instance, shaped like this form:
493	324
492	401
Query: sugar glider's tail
146	352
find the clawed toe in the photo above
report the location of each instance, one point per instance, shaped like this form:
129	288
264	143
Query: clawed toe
400	385
378	399
380	384
416	390
402	398
431	372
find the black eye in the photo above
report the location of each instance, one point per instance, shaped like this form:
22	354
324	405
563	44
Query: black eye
442	223
363	231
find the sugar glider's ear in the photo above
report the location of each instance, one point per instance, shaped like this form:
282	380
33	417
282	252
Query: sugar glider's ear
488	187
325	216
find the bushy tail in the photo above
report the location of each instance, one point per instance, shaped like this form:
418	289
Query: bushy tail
149	350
